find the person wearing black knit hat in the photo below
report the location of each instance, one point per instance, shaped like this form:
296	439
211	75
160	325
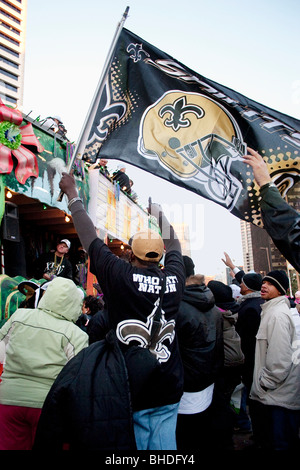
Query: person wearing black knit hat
233	359
223	296
188	266
278	279
247	325
252	281
275	392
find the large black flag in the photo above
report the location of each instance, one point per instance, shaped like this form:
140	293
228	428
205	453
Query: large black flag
157	114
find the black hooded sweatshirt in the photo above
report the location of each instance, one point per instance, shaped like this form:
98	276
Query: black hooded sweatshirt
200	335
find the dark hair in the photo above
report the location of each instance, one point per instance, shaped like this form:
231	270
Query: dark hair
188	266
147	263
93	303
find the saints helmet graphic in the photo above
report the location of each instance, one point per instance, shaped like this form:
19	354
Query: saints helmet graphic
195	137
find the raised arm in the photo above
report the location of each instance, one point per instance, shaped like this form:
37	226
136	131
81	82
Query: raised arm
281	221
82	222
169	236
259	166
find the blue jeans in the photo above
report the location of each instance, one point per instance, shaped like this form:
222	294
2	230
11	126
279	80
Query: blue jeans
155	428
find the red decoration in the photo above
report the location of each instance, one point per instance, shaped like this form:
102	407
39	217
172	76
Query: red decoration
12	141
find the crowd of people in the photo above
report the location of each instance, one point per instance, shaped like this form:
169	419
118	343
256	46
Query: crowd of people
55	124
155	365
119	177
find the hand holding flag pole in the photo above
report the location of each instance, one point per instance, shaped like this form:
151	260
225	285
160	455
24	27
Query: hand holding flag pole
84	134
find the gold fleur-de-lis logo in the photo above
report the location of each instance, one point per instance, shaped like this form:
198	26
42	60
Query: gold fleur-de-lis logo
138	331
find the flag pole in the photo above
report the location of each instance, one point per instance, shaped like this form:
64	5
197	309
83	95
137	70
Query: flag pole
84	134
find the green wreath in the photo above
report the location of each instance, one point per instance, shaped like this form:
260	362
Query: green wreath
10	135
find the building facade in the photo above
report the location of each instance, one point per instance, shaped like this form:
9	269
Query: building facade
183	233
13	15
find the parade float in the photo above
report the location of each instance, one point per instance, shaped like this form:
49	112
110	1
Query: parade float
33	218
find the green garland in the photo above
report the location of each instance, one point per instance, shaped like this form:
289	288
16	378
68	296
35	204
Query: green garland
15	141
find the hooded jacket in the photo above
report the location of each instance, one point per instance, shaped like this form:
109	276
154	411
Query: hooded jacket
276	378
39	342
228	307
200	335
88	407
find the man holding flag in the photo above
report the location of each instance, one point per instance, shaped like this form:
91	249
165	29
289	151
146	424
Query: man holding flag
134	293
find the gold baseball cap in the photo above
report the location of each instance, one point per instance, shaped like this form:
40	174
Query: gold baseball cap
147	245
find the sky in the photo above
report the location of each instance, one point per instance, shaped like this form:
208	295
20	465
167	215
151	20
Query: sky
249	46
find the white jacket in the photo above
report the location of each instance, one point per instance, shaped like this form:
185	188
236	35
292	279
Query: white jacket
277	358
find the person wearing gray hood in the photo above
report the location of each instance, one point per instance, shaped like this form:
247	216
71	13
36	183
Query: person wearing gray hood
36	344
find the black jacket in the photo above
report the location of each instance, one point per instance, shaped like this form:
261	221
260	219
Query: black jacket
88	407
200	335
98	326
123	181
45	264
247	325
